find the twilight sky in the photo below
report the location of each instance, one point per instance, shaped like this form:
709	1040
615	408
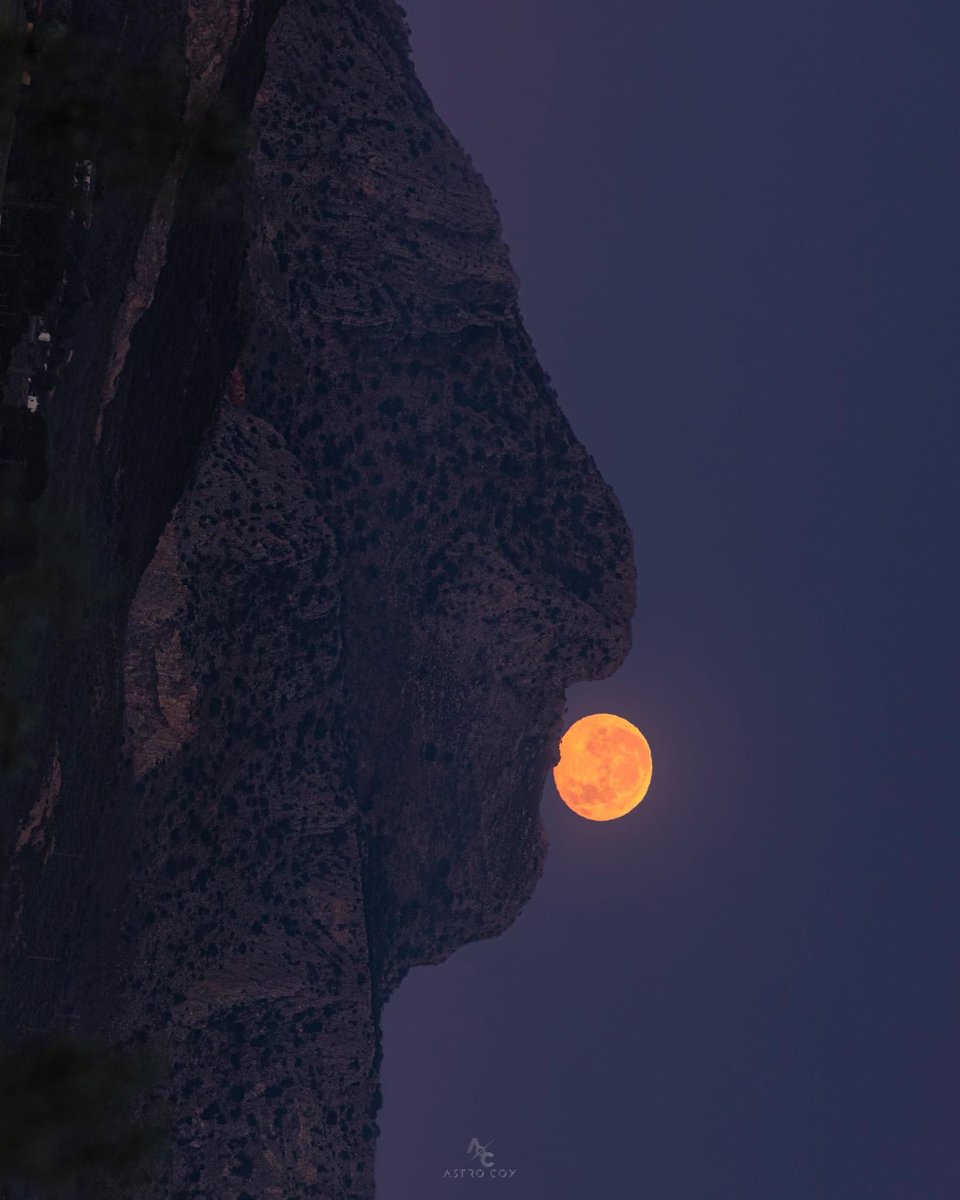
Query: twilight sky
736	228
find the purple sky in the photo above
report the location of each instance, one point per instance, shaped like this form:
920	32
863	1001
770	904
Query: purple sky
736	228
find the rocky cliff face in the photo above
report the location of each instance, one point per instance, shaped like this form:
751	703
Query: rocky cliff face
341	675
486	562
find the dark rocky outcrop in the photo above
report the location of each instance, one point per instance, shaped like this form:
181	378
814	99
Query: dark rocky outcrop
330	684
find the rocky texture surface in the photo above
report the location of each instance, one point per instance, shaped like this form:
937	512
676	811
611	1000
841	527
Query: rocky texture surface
486	563
335	678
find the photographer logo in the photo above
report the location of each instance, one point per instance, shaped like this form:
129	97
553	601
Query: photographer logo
485	1168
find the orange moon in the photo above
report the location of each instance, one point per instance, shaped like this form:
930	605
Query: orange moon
605	767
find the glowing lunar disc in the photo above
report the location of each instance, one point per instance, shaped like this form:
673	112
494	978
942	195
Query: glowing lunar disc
605	767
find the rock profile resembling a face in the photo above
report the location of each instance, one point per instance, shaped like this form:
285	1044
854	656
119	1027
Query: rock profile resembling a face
344	668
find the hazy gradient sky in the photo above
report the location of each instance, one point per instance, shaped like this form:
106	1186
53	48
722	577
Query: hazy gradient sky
736	228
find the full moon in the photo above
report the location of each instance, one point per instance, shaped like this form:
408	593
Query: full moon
605	767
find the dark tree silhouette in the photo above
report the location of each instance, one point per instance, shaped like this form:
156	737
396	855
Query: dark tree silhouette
65	1115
